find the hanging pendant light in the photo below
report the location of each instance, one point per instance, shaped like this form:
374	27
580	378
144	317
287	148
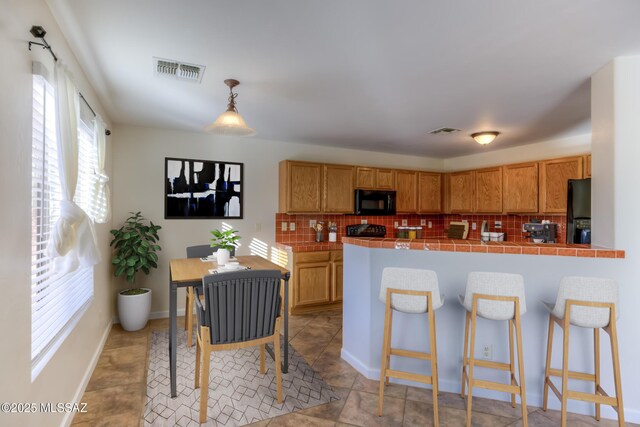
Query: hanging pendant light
231	122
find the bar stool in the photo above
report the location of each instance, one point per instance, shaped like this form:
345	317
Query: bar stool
409	291
494	296
587	302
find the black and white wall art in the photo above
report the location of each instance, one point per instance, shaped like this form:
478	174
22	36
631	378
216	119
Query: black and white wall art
202	189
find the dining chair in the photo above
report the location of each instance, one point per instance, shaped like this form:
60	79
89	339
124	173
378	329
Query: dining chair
240	309
199	251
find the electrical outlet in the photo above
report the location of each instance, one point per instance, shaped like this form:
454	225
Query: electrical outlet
258	227
363	221
497	224
487	352
283	226
395	224
404	222
430	224
423	222
292	226
312	222
473	226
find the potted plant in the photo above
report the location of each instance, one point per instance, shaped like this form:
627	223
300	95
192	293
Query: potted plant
225	241
135	245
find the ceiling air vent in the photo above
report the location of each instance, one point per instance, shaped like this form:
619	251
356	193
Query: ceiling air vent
178	70
444	131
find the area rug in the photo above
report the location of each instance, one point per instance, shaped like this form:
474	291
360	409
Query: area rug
238	393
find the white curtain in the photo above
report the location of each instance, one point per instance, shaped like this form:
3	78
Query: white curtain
72	242
101	196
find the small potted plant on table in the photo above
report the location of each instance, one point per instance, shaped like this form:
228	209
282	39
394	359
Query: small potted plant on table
225	241
135	245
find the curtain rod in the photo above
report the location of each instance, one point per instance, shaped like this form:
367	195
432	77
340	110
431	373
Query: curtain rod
39	33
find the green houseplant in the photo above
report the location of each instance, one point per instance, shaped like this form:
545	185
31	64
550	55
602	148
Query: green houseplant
134	249
225	241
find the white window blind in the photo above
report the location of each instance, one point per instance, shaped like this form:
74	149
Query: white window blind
57	300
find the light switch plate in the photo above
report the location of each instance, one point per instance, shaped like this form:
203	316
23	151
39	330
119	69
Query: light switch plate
404	222
430	224
292	226
312	222
395	224
423	222
473	226
363	221
283	226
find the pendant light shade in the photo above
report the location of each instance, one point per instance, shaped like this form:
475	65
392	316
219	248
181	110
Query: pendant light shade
484	138
231	122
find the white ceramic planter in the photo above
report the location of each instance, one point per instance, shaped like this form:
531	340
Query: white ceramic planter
222	256
133	310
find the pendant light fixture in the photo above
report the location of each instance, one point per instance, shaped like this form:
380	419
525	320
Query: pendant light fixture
230	122
484	138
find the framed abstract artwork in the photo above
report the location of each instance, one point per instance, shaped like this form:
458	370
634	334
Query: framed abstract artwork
202	189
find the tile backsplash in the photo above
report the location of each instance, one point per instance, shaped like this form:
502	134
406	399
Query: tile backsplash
511	225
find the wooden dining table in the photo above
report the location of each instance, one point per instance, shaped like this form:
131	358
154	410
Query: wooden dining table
186	272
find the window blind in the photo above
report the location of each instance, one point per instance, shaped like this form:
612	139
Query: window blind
57	300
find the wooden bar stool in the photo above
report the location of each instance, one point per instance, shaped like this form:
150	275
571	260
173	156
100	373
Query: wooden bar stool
494	296
409	291
587	302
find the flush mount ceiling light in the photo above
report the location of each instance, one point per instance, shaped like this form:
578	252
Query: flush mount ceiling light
484	138
230	122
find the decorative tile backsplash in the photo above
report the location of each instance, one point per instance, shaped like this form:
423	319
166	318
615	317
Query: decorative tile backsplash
511	225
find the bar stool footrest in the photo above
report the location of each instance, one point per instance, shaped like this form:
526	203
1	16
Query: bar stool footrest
410	353
573	375
488	364
595	398
408	376
491	385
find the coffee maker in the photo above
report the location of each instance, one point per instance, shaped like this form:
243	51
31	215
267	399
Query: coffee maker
541	233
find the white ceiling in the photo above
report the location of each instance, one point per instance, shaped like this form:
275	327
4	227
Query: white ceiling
368	74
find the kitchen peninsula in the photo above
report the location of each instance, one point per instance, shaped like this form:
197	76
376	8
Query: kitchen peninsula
542	267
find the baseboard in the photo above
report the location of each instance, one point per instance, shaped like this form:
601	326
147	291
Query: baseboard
68	418
155	315
533	399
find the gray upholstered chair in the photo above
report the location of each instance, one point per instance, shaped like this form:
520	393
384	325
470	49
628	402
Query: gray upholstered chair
240	309
200	251
587	302
494	296
409	291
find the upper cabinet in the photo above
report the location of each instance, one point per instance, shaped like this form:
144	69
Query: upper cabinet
460	193
300	188
488	192
406	191
521	188
587	166
375	179
429	192
338	188
554	177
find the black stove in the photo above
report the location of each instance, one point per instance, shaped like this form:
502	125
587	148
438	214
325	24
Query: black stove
366	230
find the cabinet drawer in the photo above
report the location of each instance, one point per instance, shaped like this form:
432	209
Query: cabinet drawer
312	256
336	255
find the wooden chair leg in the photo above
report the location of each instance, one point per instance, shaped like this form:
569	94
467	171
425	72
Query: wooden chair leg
383	360
465	353
523	390
565	371
596	363
204	373
188	316
388	366
186	305
512	367
278	362
197	376
262	359
471	364
547	367
613	335
434	365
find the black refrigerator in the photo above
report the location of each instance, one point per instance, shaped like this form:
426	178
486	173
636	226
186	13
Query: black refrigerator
579	211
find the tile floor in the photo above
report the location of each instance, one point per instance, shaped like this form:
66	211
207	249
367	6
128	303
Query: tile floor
115	394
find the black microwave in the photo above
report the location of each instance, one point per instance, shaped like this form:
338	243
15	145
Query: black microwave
375	202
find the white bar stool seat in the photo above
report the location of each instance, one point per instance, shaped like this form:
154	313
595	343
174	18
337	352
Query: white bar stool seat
410	291
494	296
586	302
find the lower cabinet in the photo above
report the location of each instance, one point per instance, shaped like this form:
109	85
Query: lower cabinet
316	283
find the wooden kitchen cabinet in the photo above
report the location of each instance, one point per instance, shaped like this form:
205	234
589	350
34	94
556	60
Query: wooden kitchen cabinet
406	191
316	282
520	194
587	166
488	191
460	193
338	189
429	192
375	179
300	187
554	177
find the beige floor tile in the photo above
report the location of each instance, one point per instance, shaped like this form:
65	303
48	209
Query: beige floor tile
421	414
330	411
335	371
309	350
122	400
297	420
318	334
536	419
361	409
393	390
579	420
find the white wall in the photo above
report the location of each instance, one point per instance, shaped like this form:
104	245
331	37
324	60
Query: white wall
138	184
63	379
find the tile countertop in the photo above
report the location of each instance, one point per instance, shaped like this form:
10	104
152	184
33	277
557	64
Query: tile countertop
450	245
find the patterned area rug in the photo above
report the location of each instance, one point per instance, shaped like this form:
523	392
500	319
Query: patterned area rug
238	393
